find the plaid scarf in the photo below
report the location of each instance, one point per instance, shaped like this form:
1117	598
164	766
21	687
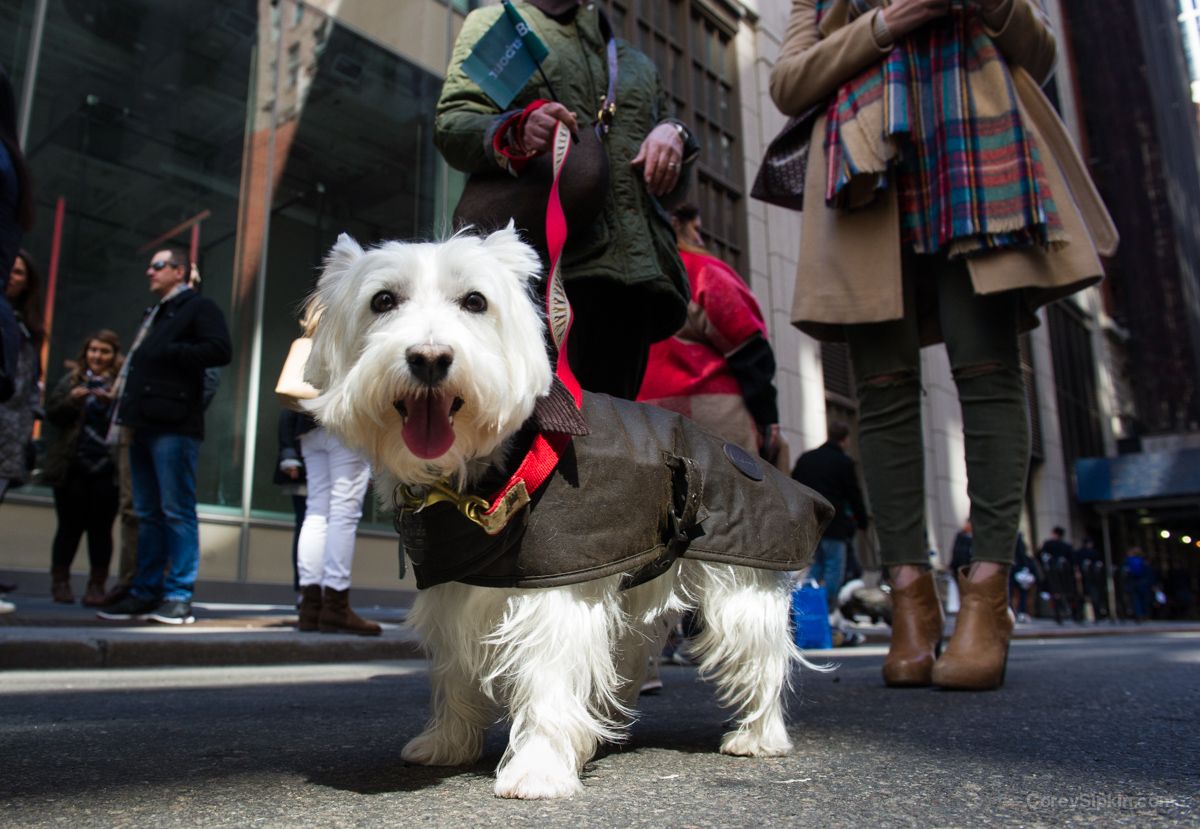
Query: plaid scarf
942	111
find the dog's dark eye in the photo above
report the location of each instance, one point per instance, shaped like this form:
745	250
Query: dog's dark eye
474	302
383	302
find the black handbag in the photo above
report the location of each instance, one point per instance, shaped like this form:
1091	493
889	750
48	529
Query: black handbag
780	179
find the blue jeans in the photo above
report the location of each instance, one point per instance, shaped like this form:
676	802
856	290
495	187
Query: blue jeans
164	498
828	567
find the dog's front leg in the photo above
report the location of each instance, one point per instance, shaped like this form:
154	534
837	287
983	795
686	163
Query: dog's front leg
555	657
461	710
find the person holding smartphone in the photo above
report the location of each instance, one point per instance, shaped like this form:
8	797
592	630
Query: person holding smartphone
81	468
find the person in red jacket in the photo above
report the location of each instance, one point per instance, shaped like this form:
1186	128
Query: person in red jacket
718	369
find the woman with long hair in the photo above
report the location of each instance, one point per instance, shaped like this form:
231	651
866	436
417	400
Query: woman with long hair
944	203
81	467
23	294
336	483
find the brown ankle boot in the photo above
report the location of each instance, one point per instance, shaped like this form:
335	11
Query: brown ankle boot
338	617
310	607
60	585
916	634
93	596
977	654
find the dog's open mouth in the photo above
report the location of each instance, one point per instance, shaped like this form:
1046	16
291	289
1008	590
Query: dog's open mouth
428	423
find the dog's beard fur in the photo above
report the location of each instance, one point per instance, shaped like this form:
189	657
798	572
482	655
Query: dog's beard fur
500	366
565	663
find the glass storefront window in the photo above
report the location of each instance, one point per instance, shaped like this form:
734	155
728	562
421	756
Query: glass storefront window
354	144
176	119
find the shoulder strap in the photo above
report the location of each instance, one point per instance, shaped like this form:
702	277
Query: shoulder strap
608	107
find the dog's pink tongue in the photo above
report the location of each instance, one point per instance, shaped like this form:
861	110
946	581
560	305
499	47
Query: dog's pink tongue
428	432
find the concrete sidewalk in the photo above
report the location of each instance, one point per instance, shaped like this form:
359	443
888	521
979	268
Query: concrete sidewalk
232	629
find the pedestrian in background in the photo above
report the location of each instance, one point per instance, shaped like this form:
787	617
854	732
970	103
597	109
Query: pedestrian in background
17	455
1139	583
290	476
16	219
336	480
161	398
830	470
912	235
81	467
1058	562
719	368
1024	579
623	277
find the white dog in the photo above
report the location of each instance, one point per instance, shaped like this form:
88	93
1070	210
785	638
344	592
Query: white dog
431	357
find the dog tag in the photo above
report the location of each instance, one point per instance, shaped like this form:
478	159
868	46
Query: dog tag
743	462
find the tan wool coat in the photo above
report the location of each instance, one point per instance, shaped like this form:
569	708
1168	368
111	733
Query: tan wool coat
850	262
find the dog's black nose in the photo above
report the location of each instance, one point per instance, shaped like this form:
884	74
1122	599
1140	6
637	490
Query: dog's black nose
429	363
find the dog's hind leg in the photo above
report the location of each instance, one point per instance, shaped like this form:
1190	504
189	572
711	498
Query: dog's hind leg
554	656
461	710
745	648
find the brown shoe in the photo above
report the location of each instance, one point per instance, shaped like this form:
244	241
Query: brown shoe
977	654
916	634
310	607
338	617
93	596
60	585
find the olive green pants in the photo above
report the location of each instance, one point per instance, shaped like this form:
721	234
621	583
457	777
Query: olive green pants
980	333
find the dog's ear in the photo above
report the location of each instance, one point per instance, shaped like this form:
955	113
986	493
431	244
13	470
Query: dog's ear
341	257
507	247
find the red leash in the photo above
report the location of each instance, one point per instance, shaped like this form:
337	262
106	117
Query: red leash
547	447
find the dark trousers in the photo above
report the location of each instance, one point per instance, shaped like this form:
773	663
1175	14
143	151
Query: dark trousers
981	338
607	348
299	503
85	504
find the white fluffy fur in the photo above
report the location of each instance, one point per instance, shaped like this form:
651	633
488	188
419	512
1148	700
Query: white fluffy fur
564	664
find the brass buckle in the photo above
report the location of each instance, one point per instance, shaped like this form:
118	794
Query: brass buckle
473	507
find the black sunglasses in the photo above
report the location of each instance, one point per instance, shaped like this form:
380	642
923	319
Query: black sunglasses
163	263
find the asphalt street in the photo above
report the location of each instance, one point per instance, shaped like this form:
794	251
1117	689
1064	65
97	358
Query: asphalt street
1087	732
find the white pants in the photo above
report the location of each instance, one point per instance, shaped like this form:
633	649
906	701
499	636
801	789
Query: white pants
337	481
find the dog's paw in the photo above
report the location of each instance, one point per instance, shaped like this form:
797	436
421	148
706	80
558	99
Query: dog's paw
751	744
537	772
433	749
536	784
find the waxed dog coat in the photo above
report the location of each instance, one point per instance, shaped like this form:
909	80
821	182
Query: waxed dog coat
645	487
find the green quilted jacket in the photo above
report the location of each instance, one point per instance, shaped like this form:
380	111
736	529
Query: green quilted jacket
632	241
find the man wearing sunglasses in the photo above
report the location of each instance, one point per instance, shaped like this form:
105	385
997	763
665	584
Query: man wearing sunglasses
162	402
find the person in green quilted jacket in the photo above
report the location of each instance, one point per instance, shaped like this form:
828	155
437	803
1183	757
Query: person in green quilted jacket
623	275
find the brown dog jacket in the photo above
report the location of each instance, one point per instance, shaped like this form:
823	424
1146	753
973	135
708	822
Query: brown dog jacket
646	486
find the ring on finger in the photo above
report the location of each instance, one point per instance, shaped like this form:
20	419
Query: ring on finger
672	165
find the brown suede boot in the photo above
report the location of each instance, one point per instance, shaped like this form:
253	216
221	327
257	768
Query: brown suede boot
916	634
977	654
93	596
310	607
338	617
60	585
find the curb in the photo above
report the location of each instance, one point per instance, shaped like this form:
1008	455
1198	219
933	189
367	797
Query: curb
86	650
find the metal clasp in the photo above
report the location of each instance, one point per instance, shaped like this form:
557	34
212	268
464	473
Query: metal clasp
413	498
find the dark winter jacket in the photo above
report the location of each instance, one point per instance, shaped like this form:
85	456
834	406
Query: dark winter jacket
830	471
631	242
164	386
644	488
68	416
